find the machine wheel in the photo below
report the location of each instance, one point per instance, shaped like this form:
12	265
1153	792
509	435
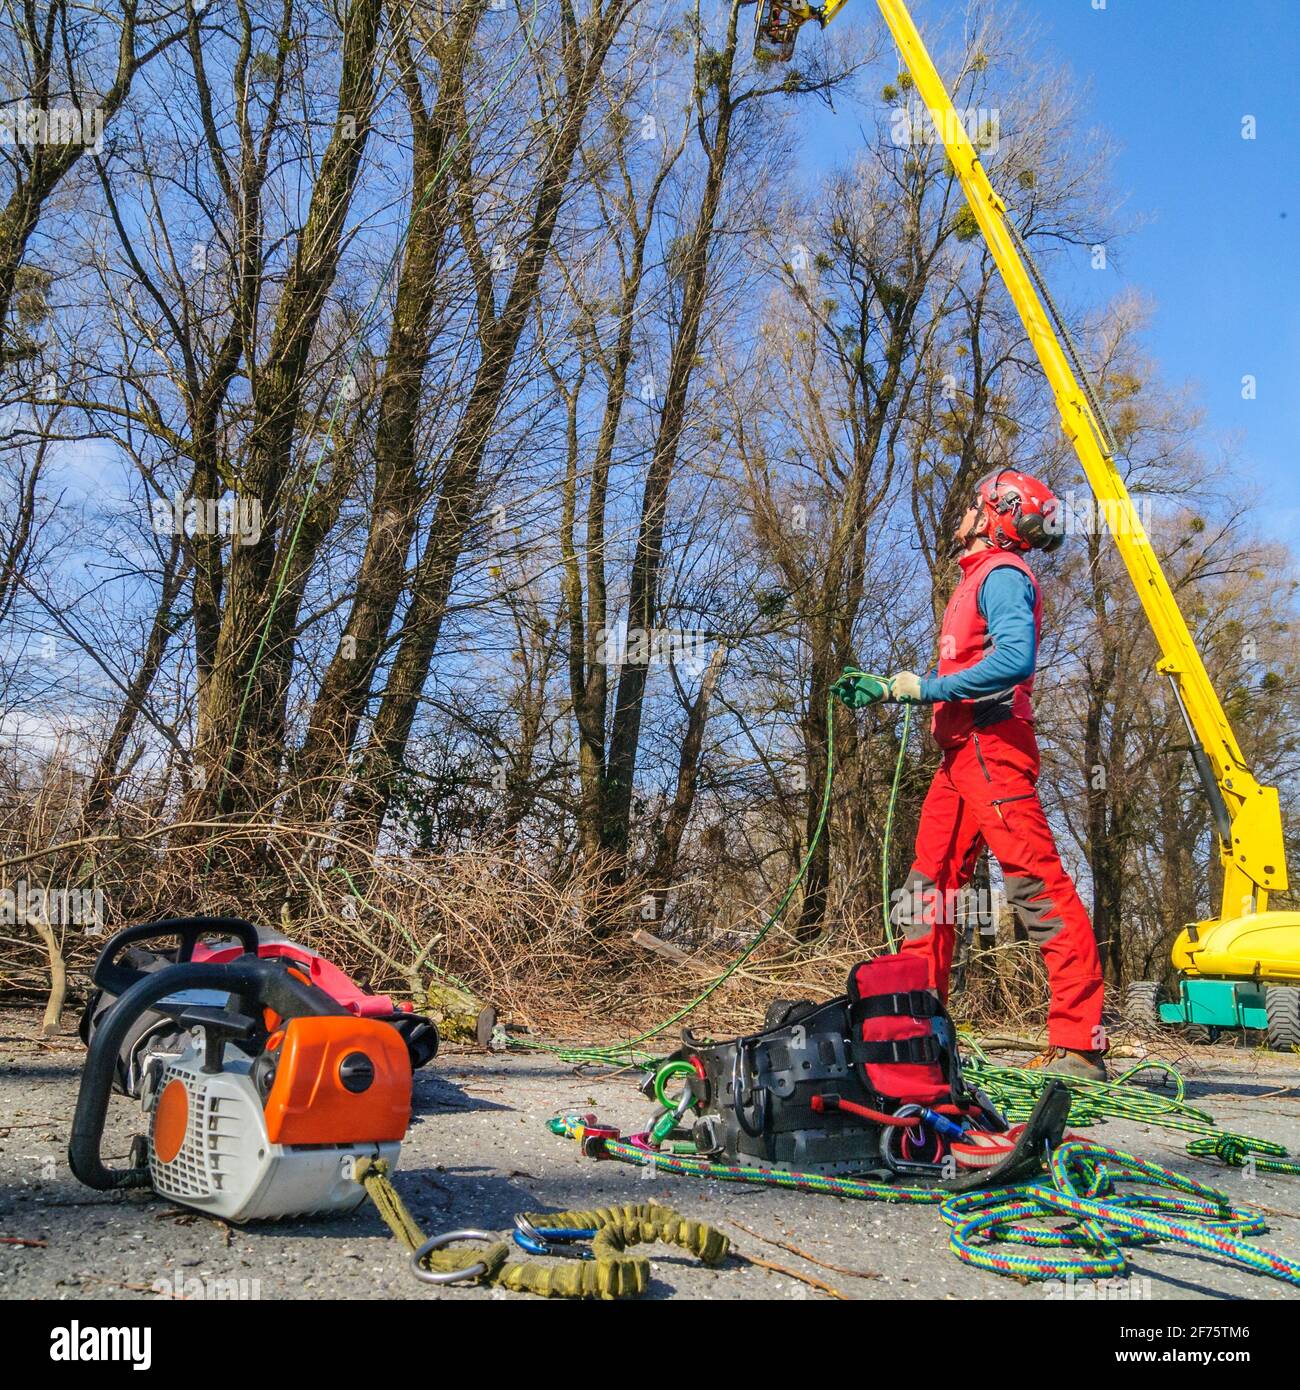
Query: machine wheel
1142	1003
1282	1004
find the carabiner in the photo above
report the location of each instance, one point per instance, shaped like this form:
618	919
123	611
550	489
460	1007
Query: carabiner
669	1120
541	1240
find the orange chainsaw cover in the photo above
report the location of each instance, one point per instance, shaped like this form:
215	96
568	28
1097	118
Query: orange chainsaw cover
309	1102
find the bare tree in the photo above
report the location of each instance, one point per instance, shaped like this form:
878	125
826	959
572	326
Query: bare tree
68	91
582	44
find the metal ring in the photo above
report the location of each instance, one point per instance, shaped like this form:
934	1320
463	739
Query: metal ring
662	1076
451	1276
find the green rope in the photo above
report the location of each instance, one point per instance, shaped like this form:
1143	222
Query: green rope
1015	1090
609	1272
853	672
630	1052
1239	1151
889	828
1080	1186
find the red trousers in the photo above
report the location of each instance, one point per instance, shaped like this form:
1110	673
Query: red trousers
984	794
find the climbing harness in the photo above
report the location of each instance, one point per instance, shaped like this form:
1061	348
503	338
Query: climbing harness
605	1270
867	1083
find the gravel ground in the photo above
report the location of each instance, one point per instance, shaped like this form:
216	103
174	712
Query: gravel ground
479	1151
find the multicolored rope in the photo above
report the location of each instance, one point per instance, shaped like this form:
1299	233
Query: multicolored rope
1081	1186
857	1189
1239	1151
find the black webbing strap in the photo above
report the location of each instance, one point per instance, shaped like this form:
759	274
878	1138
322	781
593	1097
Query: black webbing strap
914	1003
923	1050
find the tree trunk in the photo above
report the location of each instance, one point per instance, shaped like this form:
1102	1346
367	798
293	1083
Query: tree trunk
100	791
643	595
399	490
670	836
237	748
459	501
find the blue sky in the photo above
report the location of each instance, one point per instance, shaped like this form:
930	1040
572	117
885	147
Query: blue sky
1219	251
1217	245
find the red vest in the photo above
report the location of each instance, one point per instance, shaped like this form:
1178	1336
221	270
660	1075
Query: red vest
964	640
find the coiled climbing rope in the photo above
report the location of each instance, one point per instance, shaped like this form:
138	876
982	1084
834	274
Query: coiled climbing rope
1015	1091
1081	1186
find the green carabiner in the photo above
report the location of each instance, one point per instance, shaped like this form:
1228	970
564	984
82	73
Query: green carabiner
665	1074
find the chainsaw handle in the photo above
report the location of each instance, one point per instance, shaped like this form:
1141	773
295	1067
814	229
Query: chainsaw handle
115	978
255	982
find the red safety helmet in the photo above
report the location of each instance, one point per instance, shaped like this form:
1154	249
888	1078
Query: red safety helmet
1022	512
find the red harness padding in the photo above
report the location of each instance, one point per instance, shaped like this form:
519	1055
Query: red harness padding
892	1012
964	640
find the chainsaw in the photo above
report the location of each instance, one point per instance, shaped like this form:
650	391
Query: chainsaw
262	1103
137	949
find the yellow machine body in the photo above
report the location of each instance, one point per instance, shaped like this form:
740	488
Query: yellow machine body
1263	946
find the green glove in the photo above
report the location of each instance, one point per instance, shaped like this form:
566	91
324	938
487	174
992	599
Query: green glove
857	689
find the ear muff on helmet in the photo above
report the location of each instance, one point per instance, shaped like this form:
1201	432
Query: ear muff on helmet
1040	530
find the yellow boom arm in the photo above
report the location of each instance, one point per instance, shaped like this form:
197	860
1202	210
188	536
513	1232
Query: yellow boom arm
1247	814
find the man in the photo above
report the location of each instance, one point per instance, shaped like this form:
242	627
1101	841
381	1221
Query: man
984	790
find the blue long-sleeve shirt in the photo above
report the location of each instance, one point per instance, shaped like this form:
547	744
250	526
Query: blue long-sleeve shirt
1006	603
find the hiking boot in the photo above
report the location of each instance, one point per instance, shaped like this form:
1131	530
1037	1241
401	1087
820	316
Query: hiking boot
1088	1066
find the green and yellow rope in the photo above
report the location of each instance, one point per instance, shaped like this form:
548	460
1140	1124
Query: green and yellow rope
1080	1186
